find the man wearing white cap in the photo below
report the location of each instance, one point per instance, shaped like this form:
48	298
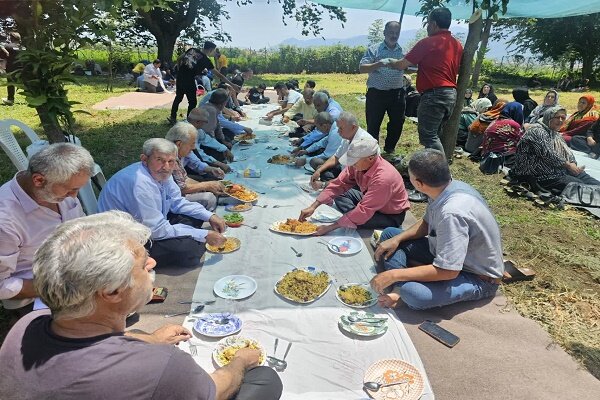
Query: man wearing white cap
382	200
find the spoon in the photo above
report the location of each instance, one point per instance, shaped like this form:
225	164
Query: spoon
285	205
218	321
263	206
335	247
194	311
298	254
250	226
353	318
202	303
375	386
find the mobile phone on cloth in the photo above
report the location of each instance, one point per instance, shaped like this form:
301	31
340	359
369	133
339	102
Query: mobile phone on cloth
439	333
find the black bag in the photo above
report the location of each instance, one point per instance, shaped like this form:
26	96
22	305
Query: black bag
582	194
492	163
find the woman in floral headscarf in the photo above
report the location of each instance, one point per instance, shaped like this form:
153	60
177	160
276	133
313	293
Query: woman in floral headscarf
580	121
502	136
543	156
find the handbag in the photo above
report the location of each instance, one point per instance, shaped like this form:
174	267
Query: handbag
492	163
582	194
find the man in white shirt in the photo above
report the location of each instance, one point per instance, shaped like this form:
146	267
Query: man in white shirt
147	191
153	82
289	96
32	205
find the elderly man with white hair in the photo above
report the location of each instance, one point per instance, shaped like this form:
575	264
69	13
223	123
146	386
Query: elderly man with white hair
183	134
349	130
92	272
147	191
32	205
380	201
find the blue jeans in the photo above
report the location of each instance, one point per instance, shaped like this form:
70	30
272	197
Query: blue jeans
424	295
435	108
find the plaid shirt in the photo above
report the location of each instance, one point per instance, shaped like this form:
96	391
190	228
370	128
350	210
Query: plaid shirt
179	174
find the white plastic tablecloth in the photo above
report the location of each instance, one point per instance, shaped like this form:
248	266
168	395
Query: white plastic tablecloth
323	362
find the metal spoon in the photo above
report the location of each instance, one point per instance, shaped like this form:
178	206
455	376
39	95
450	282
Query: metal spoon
250	226
298	254
194	311
263	206
201	303
335	247
285	205
375	386
352	318
218	321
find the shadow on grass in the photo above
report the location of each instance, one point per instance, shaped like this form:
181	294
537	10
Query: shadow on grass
589	356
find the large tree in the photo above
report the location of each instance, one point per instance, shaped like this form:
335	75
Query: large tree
575	38
194	18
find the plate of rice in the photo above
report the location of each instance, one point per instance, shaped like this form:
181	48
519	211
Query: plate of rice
226	348
356	295
292	226
303	285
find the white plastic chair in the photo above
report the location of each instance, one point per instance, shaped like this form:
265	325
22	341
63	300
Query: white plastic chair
11	147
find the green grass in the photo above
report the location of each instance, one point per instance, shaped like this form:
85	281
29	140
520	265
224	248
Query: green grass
561	246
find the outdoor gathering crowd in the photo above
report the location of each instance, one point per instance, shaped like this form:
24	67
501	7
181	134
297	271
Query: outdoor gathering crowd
93	271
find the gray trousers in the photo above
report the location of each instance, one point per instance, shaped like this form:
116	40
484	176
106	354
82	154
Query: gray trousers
348	201
207	199
435	108
260	383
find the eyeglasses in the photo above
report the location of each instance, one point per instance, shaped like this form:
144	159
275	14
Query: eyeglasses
561	117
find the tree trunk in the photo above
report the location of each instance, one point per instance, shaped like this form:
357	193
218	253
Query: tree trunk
481	53
51	126
587	65
166	46
464	75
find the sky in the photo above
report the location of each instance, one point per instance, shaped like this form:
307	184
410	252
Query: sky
259	25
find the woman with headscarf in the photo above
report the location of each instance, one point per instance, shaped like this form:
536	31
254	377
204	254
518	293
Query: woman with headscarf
468	98
590	143
487	92
502	136
478	127
521	95
581	120
474	138
550	100
543	155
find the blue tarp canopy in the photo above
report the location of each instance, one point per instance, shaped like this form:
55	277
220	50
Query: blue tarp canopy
463	10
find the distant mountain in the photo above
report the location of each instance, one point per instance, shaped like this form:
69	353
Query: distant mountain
497	49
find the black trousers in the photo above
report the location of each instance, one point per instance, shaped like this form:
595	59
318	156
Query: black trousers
378	103
558	184
10	89
348	201
260	383
180	251
190	92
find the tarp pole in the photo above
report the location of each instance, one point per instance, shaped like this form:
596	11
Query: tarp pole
402	13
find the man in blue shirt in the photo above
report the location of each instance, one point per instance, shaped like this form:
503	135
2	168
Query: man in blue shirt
385	91
147	191
200	118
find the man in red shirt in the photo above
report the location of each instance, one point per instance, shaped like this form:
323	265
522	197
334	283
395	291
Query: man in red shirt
438	57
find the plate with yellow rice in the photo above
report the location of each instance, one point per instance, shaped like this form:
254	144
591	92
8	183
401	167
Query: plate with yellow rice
292	226
231	245
226	348
356	295
303	285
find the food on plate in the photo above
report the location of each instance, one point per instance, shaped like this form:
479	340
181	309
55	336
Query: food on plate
241	207
240	192
295	226
233	218
226	355
230	245
280	159
245	142
245	136
355	294
303	286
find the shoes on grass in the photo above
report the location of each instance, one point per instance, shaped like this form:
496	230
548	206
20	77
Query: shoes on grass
7	102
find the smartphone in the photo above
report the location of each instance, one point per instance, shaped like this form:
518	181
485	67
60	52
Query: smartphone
439	333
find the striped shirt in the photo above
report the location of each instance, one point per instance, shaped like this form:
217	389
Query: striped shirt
383	78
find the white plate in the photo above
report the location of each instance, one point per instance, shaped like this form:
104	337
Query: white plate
247	287
230	207
361	328
309	168
236	340
365	305
327	216
275	228
347	245
206	325
312	270
393	370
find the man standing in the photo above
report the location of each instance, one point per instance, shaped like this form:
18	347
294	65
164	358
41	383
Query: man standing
453	254
147	191
10	52
385	87
438	57
32	205
192	63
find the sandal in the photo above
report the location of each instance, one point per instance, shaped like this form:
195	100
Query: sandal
512	273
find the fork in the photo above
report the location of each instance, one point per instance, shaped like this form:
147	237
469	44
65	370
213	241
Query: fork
193	350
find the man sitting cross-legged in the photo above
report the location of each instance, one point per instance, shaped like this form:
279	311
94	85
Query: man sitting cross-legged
147	191
380	200
453	254
92	272
183	134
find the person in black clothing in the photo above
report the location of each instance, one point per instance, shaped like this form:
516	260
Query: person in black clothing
256	95
521	95
310	84
487	91
192	63
10	51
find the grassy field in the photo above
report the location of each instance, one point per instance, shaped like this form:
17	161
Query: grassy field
562	246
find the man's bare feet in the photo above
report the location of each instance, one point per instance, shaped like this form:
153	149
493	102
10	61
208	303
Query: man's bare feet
389	300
